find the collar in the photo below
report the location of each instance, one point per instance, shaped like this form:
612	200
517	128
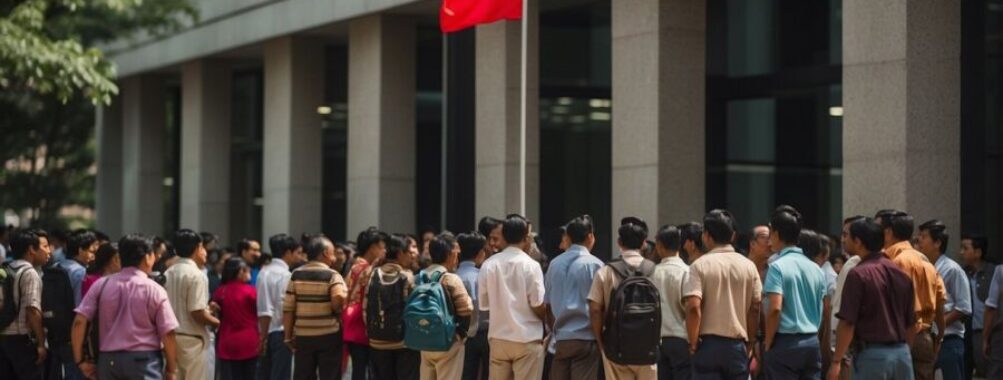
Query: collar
391	268
468	264
722	249
671	259
630	253
436	267
132	272
872	256
896	249
512	250
186	260
315	265
787	250
281	264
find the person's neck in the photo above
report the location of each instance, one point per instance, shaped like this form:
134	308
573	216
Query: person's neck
933	256
893	242
668	255
370	258
289	260
785	245
760	260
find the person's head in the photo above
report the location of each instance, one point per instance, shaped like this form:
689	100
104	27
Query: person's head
631	235
974	249
565	240
932	239
491	228
516	232
444	250
209	240
896	225
188	243
250	250
865	237
811	245
236	269
397	251
718	228
635	220
286	248
473	247
785	227
759	243
580	232
371	244
31	246
837	259
427	233
81	246
106	260
320	249
136	251
345	254
692	237
668	241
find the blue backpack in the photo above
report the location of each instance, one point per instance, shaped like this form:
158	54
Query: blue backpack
428	315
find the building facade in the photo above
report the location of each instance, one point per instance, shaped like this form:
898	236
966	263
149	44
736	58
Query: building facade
297	116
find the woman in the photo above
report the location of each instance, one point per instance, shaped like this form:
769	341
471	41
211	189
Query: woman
237	347
106	262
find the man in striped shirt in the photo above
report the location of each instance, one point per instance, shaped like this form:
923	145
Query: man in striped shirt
311	308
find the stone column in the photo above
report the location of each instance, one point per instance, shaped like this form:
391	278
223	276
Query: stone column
143	123
294	88
108	194
658	111
381	124
205	147
901	102
497	117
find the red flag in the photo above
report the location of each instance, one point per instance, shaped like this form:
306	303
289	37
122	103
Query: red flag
461	14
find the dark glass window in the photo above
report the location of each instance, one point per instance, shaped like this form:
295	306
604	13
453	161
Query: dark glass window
334	132
172	160
246	179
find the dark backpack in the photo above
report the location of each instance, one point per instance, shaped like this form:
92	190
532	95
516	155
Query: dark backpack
385	307
10	286
57	304
633	323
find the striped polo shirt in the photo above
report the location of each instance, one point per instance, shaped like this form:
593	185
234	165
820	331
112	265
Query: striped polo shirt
309	296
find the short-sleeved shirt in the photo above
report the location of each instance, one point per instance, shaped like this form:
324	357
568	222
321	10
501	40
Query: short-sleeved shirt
927	285
878	299
468	273
801	284
727	284
28	296
238	328
308	295
959	295
995	298
568	281
509	286
606	280
135	311
981	281
76	271
188	289
837	294
670	276
271	288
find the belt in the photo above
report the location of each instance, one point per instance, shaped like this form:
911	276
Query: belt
954	336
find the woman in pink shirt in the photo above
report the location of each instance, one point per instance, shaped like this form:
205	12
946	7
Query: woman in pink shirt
106	262
237	347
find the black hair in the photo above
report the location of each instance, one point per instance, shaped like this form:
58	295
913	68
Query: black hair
186	242
579	229
720	225
101	236
232	268
632	235
515	229
869	232
368	238
634	220
810	243
105	254
670	237
979	242
471	245
426	229
899	222
316	247
282	243
440	247
938	232
396	245
133	248
836	256
488	224
853	219
24	240
244	244
209	238
80	239
691	232
786	221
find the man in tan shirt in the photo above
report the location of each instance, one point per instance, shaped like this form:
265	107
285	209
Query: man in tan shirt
188	291
722	297
448	365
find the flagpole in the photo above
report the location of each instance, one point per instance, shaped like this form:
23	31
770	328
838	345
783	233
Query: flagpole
522	108
444	165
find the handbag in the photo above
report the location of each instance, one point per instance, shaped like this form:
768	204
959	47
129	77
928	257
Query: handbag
353	325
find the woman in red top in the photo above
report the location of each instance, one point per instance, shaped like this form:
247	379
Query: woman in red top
237	347
106	262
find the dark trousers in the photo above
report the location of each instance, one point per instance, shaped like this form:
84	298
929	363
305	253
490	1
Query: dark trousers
674	360
277	364
124	365
951	358
476	359
360	360
575	360
17	358
994	364
237	369
61	365
400	364
793	356
720	358
317	357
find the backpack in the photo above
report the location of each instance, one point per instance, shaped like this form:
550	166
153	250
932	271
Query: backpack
10	286
385	307
428	316
57	304
633	323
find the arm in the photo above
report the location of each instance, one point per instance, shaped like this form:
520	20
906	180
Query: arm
752	326
205	318
693	316
170	355
550	318
596	318
35	322
263	323
338	296
288	321
77	345
772	319
990	320
939	319
824	332
844	335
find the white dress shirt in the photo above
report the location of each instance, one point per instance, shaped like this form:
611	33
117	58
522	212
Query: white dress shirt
509	285
271	286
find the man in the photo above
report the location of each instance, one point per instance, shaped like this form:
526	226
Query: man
4	232
510	286
992	343
80	249
188	290
136	324
276	360
250	251
22	343
474	249
568	281
927	285
693	245
877	311
391	282
932	241
720	326
759	248
670	276
491	228
314	298
795	294
837	293
974	251
448	365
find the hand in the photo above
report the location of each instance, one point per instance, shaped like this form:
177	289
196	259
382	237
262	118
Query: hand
170	375
291	343
985	346
262	347
936	346
40	349
89	370
214	307
834	369
693	349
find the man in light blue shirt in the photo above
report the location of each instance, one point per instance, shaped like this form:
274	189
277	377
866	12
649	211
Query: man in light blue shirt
568	282
80	250
474	249
794	294
932	241
276	359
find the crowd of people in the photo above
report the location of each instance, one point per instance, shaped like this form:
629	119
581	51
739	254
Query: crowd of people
688	301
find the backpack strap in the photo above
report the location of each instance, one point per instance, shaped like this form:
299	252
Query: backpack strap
18	279
620	268
647	268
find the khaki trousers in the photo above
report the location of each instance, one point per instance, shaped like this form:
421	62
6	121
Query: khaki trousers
443	365
513	360
193	357
629	372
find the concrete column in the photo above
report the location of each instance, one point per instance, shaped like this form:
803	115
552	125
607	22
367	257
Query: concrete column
143	119
901	101
205	147
658	110
381	124
294	88
108	194
497	108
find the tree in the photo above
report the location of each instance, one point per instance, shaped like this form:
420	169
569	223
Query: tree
51	77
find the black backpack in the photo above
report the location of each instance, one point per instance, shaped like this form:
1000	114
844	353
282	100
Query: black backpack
10	285
57	304
633	323
385	307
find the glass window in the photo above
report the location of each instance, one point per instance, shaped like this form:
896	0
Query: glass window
247	125
334	132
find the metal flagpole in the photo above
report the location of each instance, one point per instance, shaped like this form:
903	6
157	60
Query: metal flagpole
444	166
522	109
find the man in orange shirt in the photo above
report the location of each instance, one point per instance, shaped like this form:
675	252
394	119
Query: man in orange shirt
928	286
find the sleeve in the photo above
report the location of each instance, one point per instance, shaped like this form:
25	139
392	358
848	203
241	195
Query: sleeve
596	293
908	303
289	301
34	285
694	284
961	297
941	291
77	282
88	305
198	293
338	287
756	283
548	283
850	303
534	284
483	302
994	290
774	281
263	303
164	314
461	300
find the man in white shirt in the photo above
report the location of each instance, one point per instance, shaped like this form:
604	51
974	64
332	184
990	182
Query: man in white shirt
670	275
276	362
510	286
